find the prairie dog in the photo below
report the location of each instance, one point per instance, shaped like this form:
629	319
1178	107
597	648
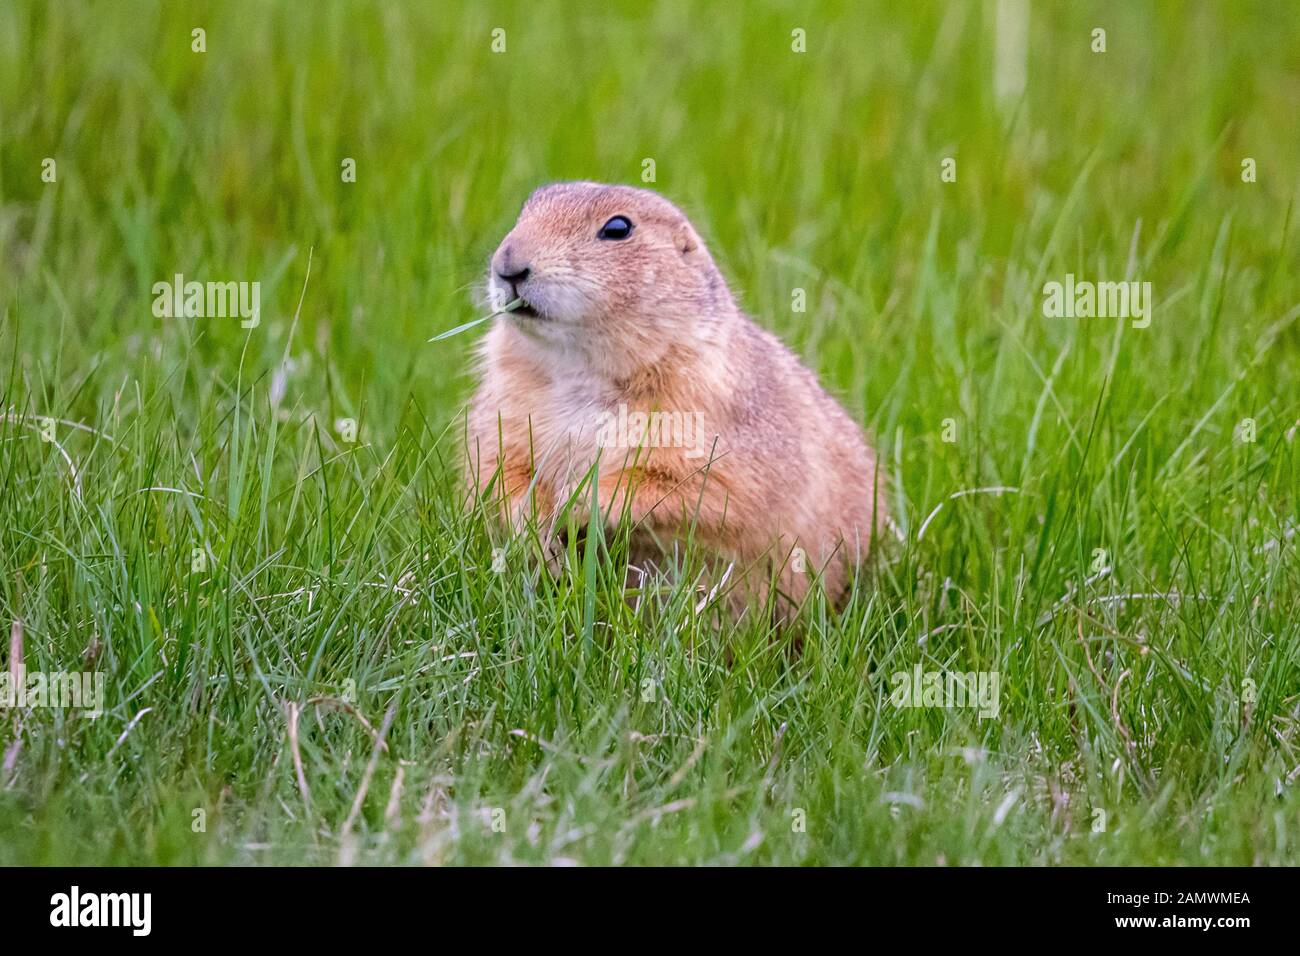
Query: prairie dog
630	350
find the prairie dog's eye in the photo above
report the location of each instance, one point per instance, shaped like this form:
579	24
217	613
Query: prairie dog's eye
620	227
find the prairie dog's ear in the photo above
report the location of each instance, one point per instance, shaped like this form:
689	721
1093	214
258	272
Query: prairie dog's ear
686	240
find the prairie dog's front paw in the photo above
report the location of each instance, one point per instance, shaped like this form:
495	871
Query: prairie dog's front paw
553	552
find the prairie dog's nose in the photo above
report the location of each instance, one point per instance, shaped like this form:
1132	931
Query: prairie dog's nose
509	265
514	278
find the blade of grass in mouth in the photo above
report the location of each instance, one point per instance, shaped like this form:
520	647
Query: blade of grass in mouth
509	307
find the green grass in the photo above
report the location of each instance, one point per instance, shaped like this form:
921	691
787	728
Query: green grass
604	734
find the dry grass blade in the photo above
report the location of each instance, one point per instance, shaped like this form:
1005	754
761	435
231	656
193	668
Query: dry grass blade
370	768
292	713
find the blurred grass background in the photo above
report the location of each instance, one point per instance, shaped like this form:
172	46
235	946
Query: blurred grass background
338	565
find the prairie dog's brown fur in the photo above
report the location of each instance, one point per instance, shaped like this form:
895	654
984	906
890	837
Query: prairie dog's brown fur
646	324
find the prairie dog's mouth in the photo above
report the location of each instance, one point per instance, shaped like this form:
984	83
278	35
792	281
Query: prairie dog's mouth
507	300
527	310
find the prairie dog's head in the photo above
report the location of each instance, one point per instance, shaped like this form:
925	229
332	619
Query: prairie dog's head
604	269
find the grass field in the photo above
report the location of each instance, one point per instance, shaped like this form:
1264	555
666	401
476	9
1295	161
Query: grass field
307	654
